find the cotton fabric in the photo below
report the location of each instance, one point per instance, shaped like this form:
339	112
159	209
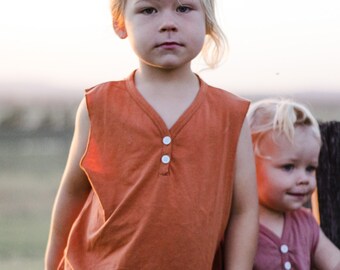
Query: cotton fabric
143	213
294	249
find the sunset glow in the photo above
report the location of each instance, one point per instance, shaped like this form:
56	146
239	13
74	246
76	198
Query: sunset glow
274	45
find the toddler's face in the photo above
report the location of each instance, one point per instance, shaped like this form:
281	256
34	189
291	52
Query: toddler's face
286	170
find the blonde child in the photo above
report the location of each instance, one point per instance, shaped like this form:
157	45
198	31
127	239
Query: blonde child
286	140
167	176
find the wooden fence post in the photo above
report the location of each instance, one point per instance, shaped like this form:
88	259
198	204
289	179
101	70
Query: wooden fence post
328	181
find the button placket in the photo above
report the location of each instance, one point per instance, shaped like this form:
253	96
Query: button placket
165	159
285	258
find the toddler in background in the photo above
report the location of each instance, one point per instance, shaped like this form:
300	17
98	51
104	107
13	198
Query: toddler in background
286	142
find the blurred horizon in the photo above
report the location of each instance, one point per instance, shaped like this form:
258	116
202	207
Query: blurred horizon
21	93
49	114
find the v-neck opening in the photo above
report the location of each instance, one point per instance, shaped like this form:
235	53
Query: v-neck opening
273	235
155	116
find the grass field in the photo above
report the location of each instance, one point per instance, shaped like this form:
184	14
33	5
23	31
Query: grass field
30	170
30	173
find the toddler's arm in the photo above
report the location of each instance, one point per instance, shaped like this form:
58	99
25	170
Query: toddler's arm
327	255
242	232
72	193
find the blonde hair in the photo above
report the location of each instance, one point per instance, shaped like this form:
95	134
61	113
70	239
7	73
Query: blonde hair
281	115
215	42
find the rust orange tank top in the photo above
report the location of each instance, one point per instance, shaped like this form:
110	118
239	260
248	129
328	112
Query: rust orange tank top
161	197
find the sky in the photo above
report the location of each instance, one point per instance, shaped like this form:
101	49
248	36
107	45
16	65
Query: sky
64	46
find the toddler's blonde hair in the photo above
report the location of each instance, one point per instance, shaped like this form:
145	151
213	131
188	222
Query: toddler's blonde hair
215	42
281	115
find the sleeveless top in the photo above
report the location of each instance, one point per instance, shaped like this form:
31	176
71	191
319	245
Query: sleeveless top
295	249
160	198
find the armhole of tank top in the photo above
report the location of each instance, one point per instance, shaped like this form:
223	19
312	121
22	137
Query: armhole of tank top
87	92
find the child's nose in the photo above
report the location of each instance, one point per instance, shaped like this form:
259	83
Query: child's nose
168	23
168	28
303	181
305	178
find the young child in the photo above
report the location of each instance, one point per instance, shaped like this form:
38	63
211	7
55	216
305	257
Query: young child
167	176
286	140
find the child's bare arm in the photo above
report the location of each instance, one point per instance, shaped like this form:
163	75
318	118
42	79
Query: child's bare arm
242	232
327	255
72	193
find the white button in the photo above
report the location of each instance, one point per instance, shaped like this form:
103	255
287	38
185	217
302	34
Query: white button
287	265
284	248
166	140
165	159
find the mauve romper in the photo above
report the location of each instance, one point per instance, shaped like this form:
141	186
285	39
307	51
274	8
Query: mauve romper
294	249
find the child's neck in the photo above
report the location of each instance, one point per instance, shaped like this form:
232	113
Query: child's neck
273	220
169	92
148	75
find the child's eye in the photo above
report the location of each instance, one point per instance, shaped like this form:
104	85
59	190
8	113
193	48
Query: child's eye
287	167
183	9
311	169
149	11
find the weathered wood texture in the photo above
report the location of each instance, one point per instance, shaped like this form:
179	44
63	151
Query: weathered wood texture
328	175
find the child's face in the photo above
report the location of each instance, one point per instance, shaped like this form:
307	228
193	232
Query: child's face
164	33
286	179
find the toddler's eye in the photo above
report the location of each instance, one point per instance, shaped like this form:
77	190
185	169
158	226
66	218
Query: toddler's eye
311	169
183	9
149	11
287	167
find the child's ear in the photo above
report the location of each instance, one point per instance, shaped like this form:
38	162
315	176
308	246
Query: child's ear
120	29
